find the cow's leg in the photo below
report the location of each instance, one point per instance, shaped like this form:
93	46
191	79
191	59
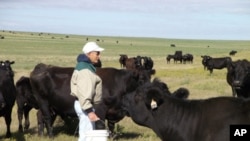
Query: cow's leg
111	127
40	123
7	118
46	116
20	116
26	116
211	71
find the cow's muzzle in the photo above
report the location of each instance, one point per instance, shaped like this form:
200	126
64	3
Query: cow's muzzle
237	84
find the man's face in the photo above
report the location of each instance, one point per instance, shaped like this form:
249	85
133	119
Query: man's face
94	56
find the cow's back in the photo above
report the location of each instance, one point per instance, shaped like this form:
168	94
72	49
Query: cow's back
51	84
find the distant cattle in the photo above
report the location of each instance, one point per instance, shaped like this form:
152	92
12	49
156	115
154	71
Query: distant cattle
169	57
178	56
204	61
172	45
187	58
51	88
238	77
7	92
232	53
122	60
174	119
215	63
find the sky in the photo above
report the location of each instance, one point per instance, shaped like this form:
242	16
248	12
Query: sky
179	19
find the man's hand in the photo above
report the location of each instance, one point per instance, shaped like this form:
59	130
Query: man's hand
93	117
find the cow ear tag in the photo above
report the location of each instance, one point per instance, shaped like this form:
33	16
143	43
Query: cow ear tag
153	104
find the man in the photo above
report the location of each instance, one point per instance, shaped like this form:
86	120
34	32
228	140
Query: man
86	86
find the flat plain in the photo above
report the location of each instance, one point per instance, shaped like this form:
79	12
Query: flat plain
28	49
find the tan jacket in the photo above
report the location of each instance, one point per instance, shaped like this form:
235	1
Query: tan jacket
87	87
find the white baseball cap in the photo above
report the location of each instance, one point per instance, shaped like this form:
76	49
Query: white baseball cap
91	46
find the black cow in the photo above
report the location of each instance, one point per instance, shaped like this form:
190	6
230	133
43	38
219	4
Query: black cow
169	57
25	101
148	63
204	61
7	93
187	58
133	63
7	65
238	77
178	56
51	88
174	119
232	52
215	63
122	60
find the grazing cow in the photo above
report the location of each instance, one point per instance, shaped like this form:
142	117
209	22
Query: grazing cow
7	93
174	119
172	45
215	63
238	77
122	60
232	53
51	88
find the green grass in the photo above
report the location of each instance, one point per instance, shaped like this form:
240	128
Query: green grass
28	49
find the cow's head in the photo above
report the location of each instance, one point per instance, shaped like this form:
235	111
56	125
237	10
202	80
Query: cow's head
6	65
138	104
240	73
205	59
148	98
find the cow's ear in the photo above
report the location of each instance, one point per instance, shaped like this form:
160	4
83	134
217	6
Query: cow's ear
181	93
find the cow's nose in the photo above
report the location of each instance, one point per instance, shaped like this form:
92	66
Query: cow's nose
237	83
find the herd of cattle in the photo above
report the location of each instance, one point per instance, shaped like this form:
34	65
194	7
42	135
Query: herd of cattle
186	58
130	92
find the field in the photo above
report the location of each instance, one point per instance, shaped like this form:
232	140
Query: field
28	49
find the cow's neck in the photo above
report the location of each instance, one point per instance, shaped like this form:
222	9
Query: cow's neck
177	116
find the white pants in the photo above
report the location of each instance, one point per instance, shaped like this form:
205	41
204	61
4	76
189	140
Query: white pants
84	122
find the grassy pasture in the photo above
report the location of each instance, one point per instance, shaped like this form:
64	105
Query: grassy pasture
28	49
